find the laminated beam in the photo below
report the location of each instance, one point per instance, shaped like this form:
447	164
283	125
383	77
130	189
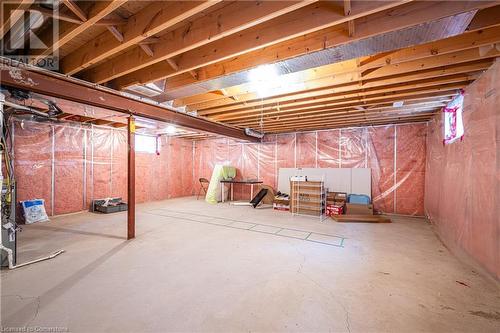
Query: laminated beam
47	84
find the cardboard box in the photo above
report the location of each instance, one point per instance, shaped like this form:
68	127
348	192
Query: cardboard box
337	196
334	209
280	203
358	209
282	207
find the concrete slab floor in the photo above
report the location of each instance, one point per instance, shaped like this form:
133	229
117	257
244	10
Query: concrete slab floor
190	270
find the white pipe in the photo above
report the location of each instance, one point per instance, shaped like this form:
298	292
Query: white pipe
10	257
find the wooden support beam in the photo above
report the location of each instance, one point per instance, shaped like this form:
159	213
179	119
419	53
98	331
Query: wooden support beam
56	14
432	77
73	7
11	13
228	20
171	63
485	17
68	31
406	15
340	83
350	120
341	113
351	123
131	178
112	21
286	27
115	32
354	98
347	12
156	17
147	49
61	87
368	102
465	41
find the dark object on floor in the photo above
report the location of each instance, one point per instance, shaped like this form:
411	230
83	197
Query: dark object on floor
109	205
203	186
258	198
361	218
462	283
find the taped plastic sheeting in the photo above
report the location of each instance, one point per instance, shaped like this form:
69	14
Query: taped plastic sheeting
395	171
69	164
463	178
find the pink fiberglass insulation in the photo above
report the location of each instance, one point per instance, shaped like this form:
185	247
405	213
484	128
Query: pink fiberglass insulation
381	143
353	148
33	161
250	166
179	168
268	172
306	150
410	169
119	183
329	149
101	141
373	147
285	157
69	169
90	162
235	159
463	179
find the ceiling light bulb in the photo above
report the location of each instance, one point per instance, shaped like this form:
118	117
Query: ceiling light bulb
170	129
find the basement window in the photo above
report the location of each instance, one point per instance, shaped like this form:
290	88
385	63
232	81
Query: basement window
453	123
146	144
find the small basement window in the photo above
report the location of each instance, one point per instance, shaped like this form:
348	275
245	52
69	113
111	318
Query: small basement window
146	144
453	123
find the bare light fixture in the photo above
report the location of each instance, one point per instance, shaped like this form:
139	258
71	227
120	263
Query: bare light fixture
170	129
266	81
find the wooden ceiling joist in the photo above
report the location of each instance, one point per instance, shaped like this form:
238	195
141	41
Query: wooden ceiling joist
339	112
406	15
56	14
235	17
210	45
318	111
68	31
440	76
353	118
11	13
75	9
346	82
354	123
156	17
356	98
301	22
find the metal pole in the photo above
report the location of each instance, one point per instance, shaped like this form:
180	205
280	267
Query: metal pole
131	179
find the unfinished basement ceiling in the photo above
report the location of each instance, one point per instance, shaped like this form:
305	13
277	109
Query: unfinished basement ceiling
419	34
338	63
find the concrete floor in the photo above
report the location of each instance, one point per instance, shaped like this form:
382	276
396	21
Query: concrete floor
205	272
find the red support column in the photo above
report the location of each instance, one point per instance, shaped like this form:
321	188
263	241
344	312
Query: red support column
131	179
